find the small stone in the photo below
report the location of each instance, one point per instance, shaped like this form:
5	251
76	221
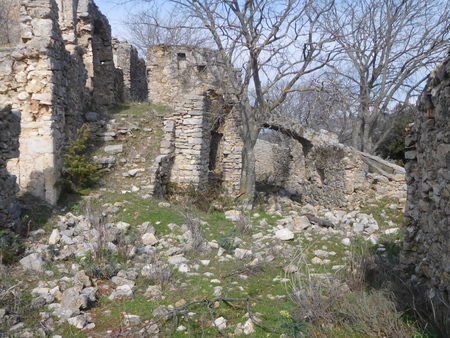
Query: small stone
217	291
234	215
54	237
149	239
221	323
243	254
114	149
316	260
131	320
249	327
78	321
346	241
32	262
391	231
284	234
180	303
183	268
123	291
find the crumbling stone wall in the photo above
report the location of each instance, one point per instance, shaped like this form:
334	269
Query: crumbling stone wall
134	71
426	244
9	148
202	134
61	69
313	167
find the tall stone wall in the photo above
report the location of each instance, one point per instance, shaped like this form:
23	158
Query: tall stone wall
62	68
134	71
425	256
9	148
202	134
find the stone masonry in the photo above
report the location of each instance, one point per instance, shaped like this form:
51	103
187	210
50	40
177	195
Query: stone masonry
425	257
62	68
202	133
134	71
313	167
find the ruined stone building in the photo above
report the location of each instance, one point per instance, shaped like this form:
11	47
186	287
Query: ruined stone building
425	257
202	134
60	68
202	138
65	65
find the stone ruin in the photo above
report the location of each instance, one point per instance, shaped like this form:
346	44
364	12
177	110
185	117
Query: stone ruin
66	65
425	258
202	139
201	136
60	68
313	167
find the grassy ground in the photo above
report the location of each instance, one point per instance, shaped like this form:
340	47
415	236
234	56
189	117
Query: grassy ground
356	299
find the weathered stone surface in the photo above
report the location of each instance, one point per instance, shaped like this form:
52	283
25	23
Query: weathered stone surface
73	298
32	262
54	237
284	234
426	245
114	149
202	134
61	67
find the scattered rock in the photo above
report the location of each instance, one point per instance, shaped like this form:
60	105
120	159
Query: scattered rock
149	239
284	234
131	320
221	323
33	262
234	215
114	149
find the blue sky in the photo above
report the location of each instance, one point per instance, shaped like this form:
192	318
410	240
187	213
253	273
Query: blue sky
116	14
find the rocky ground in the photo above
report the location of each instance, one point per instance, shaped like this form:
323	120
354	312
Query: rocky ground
119	263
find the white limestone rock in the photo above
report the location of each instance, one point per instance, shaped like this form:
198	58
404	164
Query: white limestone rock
54	237
284	234
149	239
32	262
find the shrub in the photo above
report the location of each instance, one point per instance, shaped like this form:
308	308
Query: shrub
78	170
11	247
103	266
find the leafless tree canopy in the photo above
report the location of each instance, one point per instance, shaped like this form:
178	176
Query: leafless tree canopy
387	48
9	22
156	26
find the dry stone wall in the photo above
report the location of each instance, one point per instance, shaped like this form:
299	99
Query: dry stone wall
426	246
61	69
134	71
313	167
202	133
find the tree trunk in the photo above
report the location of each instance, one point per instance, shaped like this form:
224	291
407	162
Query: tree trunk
250	132
248	174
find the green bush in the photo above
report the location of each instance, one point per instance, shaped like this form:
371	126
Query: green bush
78	170
11	247
103	266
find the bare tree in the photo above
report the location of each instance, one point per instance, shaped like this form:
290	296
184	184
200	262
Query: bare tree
269	41
9	22
387	49
328	107
157	25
